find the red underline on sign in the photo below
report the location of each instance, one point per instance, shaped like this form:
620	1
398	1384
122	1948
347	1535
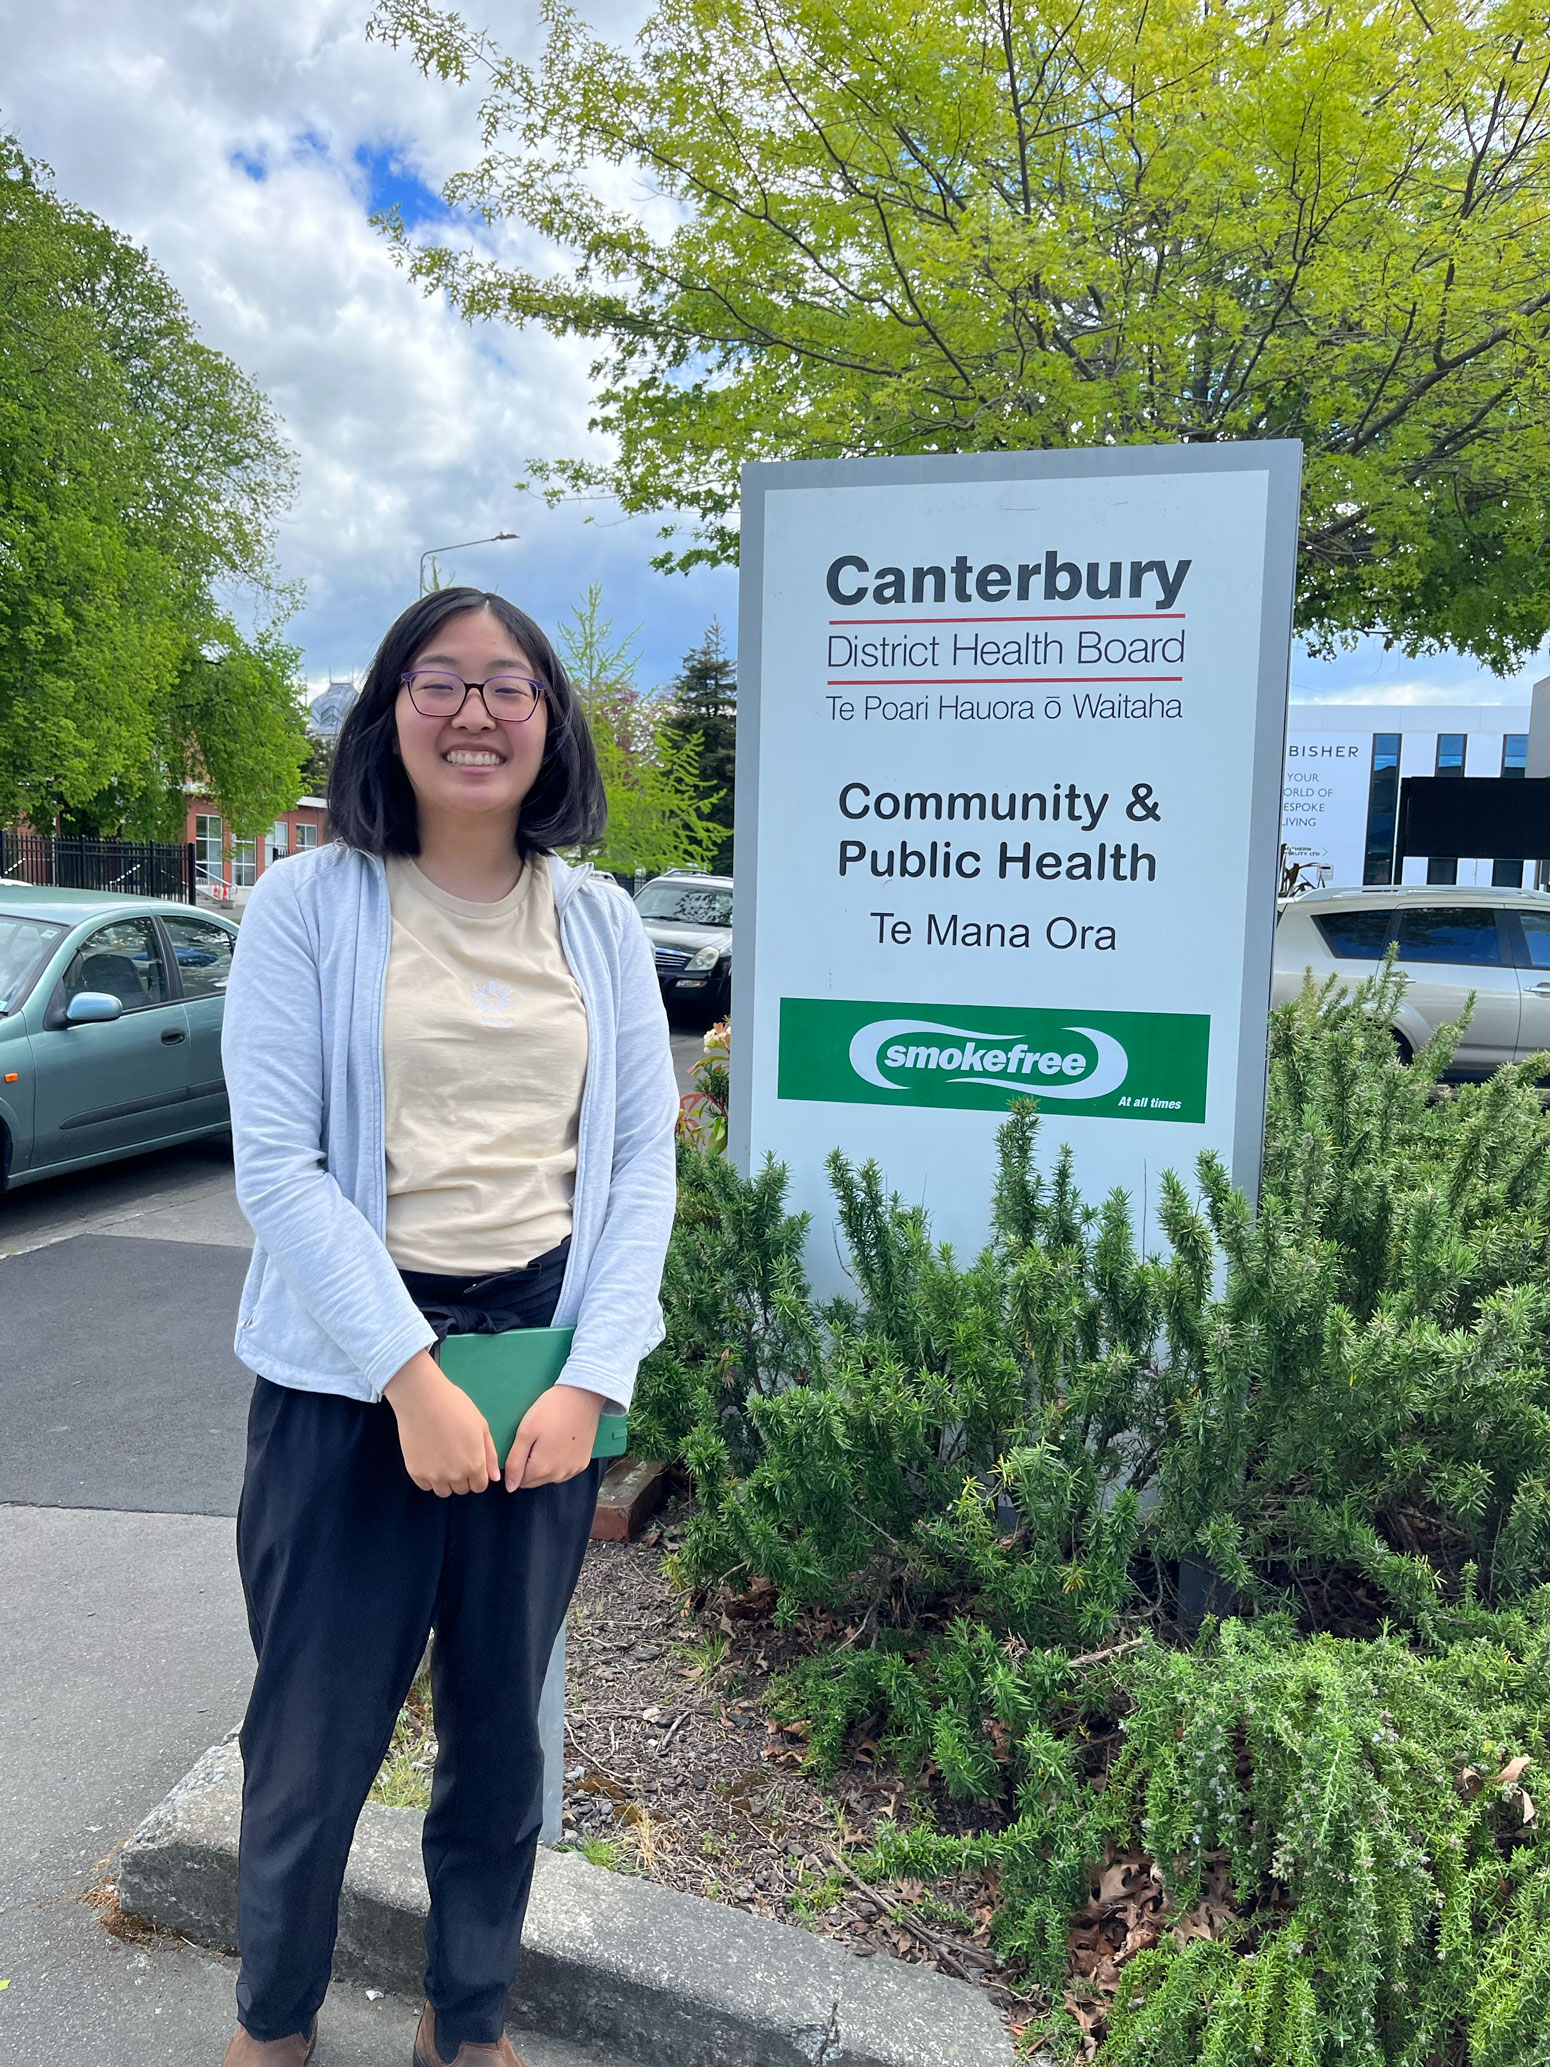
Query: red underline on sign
1052	617
983	681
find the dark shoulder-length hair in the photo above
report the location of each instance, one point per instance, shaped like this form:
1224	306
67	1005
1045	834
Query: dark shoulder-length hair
371	805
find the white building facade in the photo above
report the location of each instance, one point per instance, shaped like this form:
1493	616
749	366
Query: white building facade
1343	767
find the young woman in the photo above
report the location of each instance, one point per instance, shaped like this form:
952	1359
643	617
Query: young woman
452	1106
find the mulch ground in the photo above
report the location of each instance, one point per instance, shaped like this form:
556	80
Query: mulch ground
674	1771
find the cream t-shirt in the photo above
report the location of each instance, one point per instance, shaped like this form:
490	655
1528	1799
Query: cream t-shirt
484	1053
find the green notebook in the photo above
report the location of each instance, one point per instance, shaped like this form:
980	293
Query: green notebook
504	1374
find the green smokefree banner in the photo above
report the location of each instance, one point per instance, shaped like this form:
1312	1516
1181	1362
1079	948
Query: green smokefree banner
978	1058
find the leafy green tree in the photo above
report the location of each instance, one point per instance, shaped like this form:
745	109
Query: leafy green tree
140	477
704	706
881	227
656	815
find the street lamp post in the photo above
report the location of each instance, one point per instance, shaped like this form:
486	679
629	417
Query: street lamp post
430	551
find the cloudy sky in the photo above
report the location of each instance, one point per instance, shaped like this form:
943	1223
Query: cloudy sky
247	146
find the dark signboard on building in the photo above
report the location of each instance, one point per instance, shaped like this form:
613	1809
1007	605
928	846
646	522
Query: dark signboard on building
1486	815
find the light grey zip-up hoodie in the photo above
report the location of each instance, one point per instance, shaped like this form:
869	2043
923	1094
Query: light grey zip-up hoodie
323	1308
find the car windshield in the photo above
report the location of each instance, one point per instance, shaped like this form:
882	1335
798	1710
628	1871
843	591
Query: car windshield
24	943
689	904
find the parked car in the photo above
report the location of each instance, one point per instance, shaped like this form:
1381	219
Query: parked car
110	1027
1450	942
688	918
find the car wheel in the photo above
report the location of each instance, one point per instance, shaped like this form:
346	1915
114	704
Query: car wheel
1402	1047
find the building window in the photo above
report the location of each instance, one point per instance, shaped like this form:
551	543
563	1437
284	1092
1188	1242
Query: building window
306	836
209	857
1382	802
280	840
244	864
1451	747
1508	874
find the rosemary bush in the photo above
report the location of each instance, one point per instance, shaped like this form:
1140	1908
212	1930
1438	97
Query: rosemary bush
1366	1802
997	1468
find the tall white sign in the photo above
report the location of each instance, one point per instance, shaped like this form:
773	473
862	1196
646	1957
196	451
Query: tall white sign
1010	743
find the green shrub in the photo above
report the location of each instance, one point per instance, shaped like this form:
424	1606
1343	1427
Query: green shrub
1347	1390
999	1471
1393	1901
740	1320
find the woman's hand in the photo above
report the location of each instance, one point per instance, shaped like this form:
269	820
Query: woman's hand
445	1439
555	1438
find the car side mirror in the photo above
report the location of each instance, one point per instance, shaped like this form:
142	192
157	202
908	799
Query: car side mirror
92	1008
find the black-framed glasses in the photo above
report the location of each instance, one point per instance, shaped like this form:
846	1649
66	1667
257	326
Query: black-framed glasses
436	692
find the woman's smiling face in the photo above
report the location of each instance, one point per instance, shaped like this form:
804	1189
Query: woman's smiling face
471	762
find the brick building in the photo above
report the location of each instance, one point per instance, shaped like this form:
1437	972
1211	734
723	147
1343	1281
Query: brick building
226	868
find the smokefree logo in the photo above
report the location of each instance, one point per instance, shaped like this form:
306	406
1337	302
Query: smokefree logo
1098	1061
1119	1065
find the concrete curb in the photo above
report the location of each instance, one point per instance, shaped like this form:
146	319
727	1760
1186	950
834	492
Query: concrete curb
660	1976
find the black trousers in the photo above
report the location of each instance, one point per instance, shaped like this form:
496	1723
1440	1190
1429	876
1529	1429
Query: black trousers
347	1566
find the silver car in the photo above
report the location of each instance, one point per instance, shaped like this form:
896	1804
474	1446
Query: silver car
1451	943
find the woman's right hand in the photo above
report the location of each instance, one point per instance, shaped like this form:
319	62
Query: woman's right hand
445	1439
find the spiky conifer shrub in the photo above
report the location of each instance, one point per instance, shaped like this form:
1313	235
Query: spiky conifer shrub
1351	1384
1371	1388
1390	1904
992	1467
1368	1805
899	1454
740	1321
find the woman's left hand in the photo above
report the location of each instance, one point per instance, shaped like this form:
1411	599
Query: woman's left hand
555	1438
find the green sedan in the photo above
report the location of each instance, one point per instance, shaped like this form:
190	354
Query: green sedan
110	1027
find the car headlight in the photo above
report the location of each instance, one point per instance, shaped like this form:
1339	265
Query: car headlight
707	958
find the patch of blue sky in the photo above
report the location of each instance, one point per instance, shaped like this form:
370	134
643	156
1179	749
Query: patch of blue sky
251	163
391	182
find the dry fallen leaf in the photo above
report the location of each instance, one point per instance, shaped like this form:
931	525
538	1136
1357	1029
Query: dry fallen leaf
1512	1773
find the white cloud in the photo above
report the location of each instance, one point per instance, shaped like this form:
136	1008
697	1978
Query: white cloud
1370	674
1484	690
411	429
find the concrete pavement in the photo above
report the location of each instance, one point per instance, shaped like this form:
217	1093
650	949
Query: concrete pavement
127	1652
658	1975
126	1648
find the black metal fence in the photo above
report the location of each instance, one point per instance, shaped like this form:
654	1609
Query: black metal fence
142	868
